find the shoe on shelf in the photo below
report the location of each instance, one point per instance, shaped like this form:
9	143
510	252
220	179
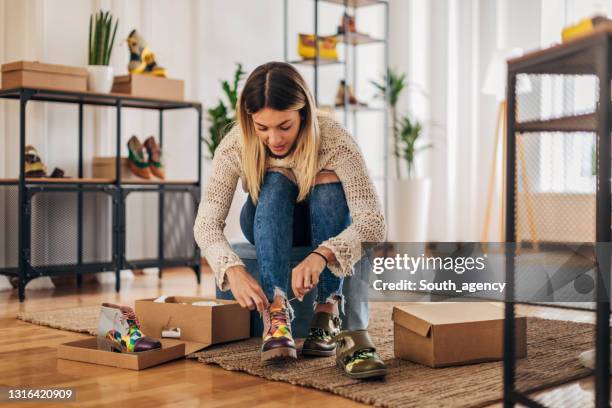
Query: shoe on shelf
326	46
119	330
142	60
155	158
278	343
137	162
347	24
356	355
343	88
57	173
322	328
34	167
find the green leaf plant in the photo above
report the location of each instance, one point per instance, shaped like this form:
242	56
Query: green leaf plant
101	41
406	132
223	115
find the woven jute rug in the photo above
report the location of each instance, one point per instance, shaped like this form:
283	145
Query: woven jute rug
553	347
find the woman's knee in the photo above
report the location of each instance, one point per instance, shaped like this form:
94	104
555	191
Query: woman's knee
288	173
326	176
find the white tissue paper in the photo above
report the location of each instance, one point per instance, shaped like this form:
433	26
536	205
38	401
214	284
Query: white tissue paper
205	303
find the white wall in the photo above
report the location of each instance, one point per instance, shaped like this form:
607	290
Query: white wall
445	47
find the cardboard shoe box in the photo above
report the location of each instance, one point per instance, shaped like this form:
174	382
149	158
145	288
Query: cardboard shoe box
200	326
104	167
447	334
149	86
32	74
87	351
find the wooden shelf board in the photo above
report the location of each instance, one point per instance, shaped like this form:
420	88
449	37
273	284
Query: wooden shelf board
356	3
358	108
311	62
578	123
357	39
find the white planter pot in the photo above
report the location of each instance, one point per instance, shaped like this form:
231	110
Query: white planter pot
408	210
99	78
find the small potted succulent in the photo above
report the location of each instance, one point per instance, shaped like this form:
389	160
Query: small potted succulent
101	40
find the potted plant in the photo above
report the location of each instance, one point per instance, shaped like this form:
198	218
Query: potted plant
101	40
408	194
222	116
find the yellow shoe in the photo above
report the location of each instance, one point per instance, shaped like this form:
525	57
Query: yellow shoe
327	47
142	59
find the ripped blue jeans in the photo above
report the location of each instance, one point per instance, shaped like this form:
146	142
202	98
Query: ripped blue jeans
278	222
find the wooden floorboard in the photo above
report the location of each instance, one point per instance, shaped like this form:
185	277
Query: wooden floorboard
28	356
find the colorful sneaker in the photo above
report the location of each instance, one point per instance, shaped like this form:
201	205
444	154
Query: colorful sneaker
119	330
278	342
356	355
322	328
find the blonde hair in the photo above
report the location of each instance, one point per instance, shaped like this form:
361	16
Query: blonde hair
279	86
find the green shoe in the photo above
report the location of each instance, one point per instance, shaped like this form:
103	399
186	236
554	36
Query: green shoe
322	328
137	162
356	355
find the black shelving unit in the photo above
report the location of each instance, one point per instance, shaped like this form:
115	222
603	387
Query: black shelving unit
117	191
351	42
588	56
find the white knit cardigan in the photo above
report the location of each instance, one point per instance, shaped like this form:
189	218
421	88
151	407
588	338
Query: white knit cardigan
338	152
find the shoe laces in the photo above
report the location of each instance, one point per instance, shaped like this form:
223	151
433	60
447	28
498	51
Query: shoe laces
364	354
319	334
279	316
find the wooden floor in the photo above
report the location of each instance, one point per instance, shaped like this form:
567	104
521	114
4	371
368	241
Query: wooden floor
28	357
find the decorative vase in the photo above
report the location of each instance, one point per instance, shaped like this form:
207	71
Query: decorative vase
100	78
408	210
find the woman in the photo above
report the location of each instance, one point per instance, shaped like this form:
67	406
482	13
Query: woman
308	185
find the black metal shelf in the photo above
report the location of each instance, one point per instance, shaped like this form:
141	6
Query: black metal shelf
352	42
96	99
588	55
117	189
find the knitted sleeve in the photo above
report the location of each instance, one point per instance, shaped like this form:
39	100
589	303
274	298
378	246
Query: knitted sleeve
368	224
215	204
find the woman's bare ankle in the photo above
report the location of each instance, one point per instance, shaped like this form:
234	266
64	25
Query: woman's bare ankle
328	307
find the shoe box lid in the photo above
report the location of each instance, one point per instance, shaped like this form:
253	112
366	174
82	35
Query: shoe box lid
86	351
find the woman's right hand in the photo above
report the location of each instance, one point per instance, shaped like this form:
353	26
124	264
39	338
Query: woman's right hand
245	289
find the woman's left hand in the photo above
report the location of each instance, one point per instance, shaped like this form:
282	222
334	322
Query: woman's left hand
305	276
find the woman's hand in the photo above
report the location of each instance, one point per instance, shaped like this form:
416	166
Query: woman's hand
245	289
305	276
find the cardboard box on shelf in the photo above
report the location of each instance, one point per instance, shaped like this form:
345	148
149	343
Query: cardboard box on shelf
104	167
149	86
33	74
445	334
200	326
87	351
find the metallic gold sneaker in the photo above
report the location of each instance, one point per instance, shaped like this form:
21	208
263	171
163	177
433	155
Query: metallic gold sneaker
356	355
278	341
322	328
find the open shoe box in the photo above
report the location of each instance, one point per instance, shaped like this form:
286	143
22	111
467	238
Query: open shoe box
87	351
453	333
201	326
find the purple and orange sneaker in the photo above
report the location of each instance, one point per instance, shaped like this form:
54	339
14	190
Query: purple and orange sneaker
119	330
278	342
